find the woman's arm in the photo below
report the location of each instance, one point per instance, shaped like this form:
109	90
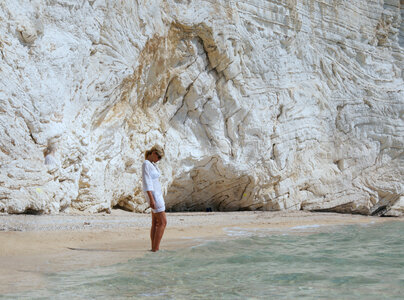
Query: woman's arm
152	203
148	184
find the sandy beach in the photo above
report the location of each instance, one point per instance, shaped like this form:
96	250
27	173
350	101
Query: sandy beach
34	245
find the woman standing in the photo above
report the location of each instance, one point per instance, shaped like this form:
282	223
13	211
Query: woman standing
153	194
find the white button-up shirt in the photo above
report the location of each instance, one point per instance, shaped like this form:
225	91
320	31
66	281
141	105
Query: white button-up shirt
151	182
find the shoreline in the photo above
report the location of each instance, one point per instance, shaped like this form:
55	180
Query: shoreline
35	245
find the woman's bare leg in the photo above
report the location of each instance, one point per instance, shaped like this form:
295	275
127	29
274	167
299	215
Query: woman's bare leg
161	223
153	229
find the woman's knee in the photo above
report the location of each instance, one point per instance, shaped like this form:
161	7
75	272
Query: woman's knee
162	221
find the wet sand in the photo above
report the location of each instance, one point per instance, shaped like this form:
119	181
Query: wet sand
32	246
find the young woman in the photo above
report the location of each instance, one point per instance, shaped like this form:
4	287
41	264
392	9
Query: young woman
153	194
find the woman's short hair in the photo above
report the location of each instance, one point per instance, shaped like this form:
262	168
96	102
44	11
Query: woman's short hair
156	148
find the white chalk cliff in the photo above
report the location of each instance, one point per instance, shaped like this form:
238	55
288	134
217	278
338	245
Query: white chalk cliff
260	105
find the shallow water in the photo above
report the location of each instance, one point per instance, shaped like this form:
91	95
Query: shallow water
341	262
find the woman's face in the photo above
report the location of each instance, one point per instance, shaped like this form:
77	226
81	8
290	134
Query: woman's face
155	157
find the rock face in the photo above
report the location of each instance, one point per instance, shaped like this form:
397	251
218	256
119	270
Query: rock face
260	105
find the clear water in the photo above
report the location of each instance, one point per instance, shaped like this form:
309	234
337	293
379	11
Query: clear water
343	262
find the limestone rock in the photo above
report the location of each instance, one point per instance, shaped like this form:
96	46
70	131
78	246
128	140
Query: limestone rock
271	105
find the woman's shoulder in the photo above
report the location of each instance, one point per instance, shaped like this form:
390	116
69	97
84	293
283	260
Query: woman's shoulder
147	164
150	167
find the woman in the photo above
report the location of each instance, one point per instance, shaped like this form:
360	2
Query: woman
153	194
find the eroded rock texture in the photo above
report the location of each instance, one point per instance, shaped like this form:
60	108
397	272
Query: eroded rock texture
271	105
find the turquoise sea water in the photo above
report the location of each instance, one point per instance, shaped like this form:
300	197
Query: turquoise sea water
340	262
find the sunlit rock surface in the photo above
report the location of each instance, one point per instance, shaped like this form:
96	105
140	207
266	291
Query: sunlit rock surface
260	105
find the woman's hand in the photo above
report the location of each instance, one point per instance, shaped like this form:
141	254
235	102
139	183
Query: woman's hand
152	203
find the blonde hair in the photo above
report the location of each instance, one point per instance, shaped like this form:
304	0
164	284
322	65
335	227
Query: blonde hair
156	148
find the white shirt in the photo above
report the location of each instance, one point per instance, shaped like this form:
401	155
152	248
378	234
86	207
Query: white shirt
50	160
52	163
151	182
